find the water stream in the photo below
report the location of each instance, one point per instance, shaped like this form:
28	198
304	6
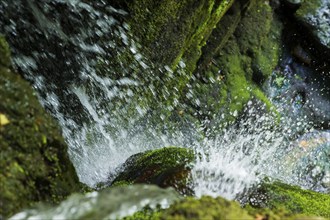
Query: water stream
103	119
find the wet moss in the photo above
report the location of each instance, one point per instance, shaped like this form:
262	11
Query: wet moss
205	208
169	166
308	7
4	52
194	208
34	162
279	214
240	65
279	196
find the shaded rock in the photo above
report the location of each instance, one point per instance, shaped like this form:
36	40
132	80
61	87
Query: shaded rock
301	92
34	164
315	15
164	167
277	196
113	203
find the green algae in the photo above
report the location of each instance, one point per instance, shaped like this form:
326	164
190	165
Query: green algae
165	167
34	162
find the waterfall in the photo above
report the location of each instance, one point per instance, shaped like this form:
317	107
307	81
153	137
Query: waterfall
103	112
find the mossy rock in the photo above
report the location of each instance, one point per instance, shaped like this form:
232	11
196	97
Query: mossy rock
169	166
205	208
233	75
278	196
215	208
4	53
34	164
193	208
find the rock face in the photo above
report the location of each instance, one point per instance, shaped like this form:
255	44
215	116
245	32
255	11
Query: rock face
164	167
34	164
236	60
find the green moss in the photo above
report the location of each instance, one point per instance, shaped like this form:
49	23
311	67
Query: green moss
34	164
279	196
4	53
205	208
240	64
173	31
193	208
165	167
278	214
308	7
146	214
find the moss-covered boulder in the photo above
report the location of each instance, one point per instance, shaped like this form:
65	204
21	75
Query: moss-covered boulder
278	196
169	166
34	164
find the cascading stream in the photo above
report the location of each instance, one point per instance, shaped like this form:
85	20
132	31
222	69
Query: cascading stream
101	113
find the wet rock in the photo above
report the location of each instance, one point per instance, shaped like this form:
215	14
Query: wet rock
34	164
277	196
302	55
114	203
216	208
294	2
206	208
164	167
315	15
301	91
242	58
310	161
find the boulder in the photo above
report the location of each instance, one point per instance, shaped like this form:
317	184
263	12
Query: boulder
34	163
276	196
165	167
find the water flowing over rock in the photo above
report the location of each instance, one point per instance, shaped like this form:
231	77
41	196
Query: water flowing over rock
239	84
114	203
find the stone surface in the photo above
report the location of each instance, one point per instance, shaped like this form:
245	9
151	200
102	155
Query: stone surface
315	15
165	167
34	164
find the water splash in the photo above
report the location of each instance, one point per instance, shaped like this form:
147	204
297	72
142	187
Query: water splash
125	201
103	112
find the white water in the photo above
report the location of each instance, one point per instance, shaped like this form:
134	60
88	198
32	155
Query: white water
101	138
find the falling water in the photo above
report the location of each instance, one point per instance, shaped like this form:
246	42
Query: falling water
103	114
